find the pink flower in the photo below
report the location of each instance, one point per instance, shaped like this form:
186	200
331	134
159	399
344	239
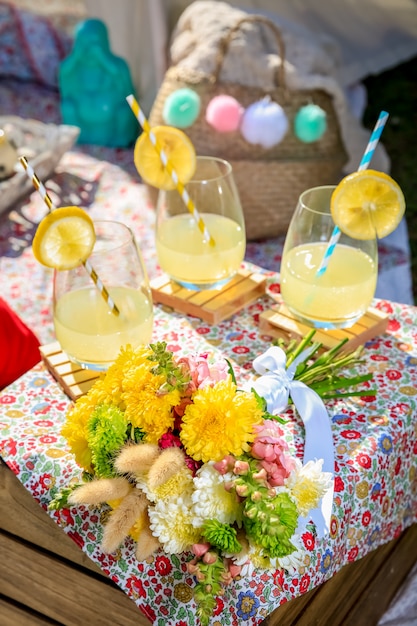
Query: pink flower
272	451
201	373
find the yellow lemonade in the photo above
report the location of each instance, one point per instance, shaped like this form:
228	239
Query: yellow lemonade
341	294
91	334
188	259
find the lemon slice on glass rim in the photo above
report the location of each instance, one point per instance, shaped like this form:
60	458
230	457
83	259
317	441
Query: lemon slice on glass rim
64	239
177	147
367	204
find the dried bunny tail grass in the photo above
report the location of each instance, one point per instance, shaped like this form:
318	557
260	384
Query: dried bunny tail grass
99	491
136	459
169	463
122	519
146	544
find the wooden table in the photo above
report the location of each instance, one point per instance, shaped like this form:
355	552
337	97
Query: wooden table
67	587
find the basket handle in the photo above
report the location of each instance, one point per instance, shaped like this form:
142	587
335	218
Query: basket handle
224	44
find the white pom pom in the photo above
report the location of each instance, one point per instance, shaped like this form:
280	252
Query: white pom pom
265	123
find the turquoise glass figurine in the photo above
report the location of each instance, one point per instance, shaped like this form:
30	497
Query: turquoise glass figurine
93	84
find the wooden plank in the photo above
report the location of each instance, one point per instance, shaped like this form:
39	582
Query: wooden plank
210	305
359	594
15	615
61	592
279	323
22	516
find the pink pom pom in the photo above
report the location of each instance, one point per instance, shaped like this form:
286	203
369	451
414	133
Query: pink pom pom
224	113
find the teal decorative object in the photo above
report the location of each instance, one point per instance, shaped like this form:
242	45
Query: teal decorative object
310	123
181	108
93	85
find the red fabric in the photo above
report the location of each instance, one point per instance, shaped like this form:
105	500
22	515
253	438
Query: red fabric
19	347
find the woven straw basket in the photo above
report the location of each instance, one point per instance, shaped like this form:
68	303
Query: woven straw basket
269	181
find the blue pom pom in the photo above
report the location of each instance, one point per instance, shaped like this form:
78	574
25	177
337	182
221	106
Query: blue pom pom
310	123
181	108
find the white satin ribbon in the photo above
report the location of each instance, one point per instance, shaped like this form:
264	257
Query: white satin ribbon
276	384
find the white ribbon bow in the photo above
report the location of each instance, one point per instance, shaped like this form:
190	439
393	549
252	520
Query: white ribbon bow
276	384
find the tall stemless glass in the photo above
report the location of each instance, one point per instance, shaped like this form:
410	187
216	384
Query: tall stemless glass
85	326
338	297
183	253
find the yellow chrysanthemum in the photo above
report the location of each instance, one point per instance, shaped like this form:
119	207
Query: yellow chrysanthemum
219	422
146	407
126	372
75	428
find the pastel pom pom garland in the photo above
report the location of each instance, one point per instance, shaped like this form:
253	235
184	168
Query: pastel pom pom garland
265	123
181	108
224	113
310	123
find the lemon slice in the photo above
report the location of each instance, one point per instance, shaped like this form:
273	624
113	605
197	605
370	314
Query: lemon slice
366	204
178	149
64	238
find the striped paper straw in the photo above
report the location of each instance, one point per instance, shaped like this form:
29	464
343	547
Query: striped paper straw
363	165
137	111
47	199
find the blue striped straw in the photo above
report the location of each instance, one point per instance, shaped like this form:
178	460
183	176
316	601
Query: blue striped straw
363	165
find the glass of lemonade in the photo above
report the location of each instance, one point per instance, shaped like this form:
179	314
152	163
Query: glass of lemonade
183	252
340	295
85	326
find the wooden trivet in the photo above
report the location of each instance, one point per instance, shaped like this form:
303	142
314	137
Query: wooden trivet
210	305
74	380
279	323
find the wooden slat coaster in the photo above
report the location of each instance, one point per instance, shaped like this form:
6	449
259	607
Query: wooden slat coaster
210	305
74	380
279	323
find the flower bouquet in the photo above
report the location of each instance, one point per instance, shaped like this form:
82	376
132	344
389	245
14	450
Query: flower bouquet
189	462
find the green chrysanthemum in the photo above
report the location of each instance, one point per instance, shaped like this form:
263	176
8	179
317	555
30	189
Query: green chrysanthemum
221	536
271	523
106	433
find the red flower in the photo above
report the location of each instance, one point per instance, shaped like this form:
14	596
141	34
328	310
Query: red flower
379	357
309	540
364	460
45	481
275	288
135	586
368	398
393	374
393	325
148	612
353	554
304	583
6	399
279	578
240	350
366	518
203	330
163	565
351	434
397	466
339	485
47	439
219	607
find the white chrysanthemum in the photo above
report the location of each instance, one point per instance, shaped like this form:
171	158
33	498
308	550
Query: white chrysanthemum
293	562
178	484
211	500
171	521
308	483
255	559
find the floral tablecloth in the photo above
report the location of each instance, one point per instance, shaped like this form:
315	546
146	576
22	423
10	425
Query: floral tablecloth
375	440
375	436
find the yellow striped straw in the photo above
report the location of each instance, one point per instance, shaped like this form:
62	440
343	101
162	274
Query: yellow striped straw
40	187
138	113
